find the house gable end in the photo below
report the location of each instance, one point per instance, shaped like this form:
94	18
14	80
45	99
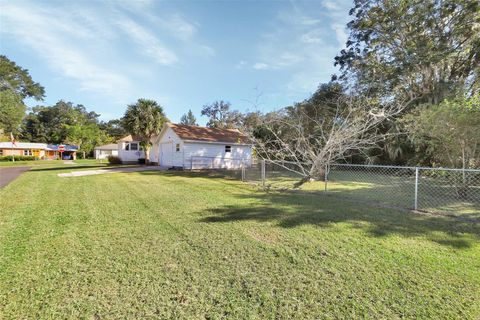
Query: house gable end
166	134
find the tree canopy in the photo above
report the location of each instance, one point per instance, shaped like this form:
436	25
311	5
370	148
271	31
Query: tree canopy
221	116
418	51
114	128
144	118
17	79
189	119
16	84
65	122
12	111
448	132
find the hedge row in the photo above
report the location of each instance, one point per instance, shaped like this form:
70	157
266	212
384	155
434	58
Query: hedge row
17	158
114	160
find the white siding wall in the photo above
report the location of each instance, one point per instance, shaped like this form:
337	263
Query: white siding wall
129	155
212	155
103	154
164	152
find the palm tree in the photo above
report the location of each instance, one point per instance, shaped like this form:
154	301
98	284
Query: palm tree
145	119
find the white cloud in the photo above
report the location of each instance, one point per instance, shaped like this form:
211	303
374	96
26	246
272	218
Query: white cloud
179	27
260	66
338	11
331	5
86	43
241	64
297	17
149	44
54	41
341	33
135	5
313	36
300	44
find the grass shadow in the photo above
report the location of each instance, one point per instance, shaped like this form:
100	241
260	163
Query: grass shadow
291	210
211	174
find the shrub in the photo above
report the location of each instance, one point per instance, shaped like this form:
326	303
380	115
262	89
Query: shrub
141	161
114	160
17	158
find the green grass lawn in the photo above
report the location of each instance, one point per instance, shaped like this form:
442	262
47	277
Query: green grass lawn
29	163
188	246
50	163
55	165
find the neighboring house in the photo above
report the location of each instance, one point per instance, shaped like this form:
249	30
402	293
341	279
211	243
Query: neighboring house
129	150
193	147
38	150
103	152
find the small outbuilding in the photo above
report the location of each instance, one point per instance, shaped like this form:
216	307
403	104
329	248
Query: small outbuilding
194	147
103	152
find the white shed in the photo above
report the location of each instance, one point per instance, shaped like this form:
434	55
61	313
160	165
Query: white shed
103	152
194	147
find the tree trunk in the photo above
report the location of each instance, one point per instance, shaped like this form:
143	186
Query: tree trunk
298	184
147	154
317	172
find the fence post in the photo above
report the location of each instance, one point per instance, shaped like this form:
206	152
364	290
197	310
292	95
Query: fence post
326	176
415	206
243	171
263	172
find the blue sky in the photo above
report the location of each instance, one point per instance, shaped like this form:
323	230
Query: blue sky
184	54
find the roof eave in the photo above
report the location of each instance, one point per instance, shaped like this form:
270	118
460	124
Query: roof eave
219	142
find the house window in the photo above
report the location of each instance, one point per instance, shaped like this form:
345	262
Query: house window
1	152
228	149
27	152
177	147
131	146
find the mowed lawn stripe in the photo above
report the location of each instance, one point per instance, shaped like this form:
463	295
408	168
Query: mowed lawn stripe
181	245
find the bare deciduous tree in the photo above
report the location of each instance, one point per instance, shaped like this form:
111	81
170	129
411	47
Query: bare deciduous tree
307	142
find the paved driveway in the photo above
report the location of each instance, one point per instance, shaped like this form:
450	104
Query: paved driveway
9	174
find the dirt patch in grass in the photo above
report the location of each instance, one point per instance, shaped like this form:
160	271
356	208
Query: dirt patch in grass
264	236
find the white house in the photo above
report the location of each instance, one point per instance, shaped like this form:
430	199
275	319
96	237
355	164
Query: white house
129	150
103	152
193	147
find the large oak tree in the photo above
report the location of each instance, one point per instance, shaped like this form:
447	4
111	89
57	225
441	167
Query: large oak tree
16	84
421	50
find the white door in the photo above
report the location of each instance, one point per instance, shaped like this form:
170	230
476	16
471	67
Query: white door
166	154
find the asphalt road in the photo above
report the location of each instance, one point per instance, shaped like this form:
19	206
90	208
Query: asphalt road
8	174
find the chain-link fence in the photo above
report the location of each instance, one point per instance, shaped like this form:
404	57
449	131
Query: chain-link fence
220	166
438	190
